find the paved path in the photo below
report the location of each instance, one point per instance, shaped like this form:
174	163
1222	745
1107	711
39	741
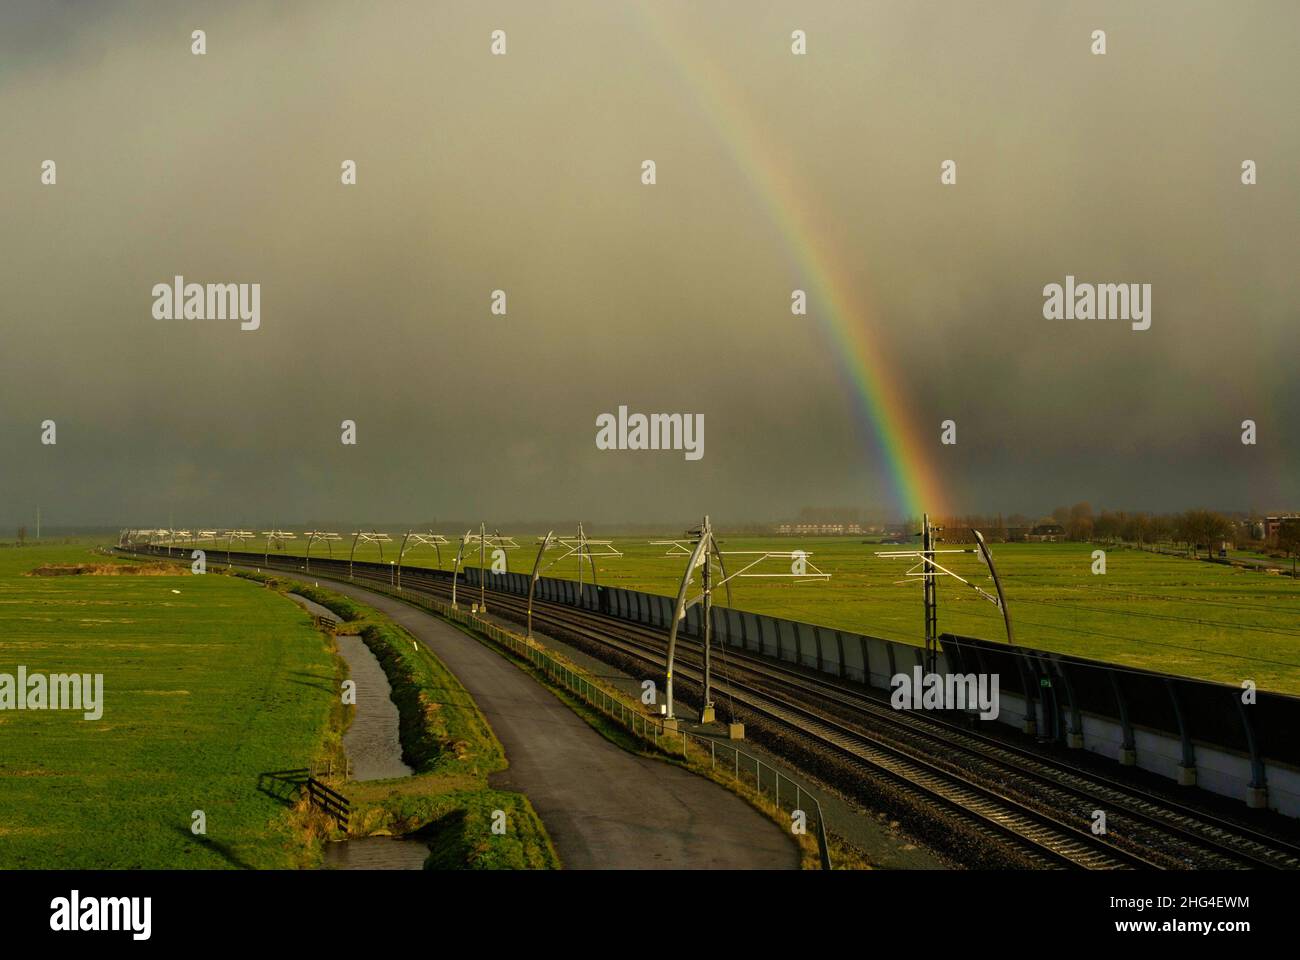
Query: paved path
603	807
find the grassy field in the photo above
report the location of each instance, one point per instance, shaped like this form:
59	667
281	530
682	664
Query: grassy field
1160	612
208	681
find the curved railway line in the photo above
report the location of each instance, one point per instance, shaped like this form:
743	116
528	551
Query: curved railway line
1037	805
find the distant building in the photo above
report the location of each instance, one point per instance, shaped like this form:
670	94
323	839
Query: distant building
1273	524
1046	533
816	529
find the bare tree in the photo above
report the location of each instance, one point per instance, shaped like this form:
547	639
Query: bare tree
1203	526
1108	527
1288	540
1079	525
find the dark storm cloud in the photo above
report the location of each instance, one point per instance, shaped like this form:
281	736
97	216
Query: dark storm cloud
521	172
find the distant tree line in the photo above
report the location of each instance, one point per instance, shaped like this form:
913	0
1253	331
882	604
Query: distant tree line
1192	530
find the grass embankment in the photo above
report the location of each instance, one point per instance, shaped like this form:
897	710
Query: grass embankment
448	743
208	682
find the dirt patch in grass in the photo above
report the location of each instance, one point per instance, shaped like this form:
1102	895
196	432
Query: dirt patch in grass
107	570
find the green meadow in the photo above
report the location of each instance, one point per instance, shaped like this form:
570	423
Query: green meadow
208	682
1149	610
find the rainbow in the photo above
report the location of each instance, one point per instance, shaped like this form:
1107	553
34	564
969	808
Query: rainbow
881	407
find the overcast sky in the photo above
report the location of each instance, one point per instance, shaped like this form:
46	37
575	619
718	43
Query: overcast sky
523	173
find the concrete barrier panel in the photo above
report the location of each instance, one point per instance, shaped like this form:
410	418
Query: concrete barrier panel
749	630
787	638
1014	710
1283	789
855	667
806	643
735	637
1222	772
878	661
1100	735
1158	753
721	625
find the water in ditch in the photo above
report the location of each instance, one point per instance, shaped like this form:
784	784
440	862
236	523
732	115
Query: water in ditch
376	853
374	752
372	744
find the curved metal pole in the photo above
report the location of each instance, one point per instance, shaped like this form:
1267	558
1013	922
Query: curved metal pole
532	581
591	560
997	584
455	570
353	553
400	554
717	552
707	617
706	631
373	531
310	537
266	559
582	548
679	611
482	580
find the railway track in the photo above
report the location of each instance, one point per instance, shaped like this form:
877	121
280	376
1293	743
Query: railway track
912	762
1184	836
1191	835
1035	804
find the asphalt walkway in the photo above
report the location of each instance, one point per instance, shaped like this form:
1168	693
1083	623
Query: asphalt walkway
603	807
